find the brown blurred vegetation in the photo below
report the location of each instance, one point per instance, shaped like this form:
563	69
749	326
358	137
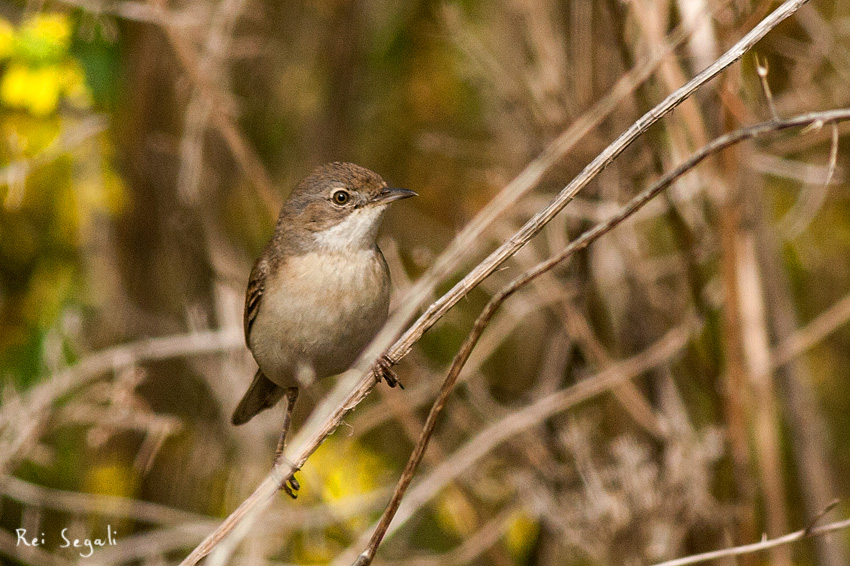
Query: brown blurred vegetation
146	146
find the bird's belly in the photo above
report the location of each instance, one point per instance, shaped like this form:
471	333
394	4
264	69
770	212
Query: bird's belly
318	314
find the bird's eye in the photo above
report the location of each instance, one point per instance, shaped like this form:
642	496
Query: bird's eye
341	197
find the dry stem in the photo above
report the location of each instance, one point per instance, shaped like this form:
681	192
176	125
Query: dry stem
758	546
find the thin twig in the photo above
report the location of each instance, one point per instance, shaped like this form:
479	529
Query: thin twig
808	336
813	523
87	503
761	71
811	199
793	169
758	546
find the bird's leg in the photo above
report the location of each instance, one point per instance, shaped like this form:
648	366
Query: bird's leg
383	369
291	485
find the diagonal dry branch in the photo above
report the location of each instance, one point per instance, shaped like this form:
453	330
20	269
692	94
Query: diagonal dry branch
536	223
808	336
495	434
357	383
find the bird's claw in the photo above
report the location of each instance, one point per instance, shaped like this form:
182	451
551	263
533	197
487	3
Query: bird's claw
384	370
291	486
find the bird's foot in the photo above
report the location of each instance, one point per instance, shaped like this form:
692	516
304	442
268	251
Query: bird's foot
291	486
384	370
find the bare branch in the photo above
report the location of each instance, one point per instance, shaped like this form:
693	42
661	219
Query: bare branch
759	546
109	505
805	338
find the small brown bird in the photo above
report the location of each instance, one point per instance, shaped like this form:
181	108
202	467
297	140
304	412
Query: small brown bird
320	290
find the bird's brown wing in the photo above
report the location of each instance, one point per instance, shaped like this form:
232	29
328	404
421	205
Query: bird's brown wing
254	295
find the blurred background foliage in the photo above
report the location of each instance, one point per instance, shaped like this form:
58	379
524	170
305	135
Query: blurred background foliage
145	147
51	195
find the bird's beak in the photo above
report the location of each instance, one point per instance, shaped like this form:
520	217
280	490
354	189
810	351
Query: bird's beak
389	195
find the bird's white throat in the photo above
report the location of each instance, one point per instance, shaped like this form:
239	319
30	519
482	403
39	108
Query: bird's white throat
357	231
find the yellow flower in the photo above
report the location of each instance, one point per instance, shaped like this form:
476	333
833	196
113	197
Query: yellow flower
340	469
49	28
13	88
354	474
41	69
43	38
44	96
7	38
110	478
73	82
521	534
36	90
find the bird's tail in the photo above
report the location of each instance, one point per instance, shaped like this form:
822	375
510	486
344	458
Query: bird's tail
262	394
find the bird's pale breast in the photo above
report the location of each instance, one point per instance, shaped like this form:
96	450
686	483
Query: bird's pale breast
318	311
